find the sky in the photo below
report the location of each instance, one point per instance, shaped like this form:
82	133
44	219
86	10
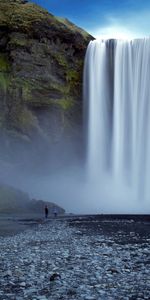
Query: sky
104	18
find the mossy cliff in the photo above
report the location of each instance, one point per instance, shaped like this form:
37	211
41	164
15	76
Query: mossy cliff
41	65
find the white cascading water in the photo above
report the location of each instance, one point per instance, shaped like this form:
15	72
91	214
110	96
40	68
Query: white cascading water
117	111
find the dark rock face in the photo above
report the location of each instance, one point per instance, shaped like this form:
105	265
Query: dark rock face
41	65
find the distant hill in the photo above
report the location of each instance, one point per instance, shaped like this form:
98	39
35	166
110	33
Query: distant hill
14	201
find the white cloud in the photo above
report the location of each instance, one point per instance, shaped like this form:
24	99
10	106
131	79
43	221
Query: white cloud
114	31
133	25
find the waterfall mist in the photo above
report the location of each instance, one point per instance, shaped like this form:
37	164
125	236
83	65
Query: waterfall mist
111	173
117	117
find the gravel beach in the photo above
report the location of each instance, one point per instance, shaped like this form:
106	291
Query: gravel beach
78	258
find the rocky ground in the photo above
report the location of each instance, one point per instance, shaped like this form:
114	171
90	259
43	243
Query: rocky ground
78	258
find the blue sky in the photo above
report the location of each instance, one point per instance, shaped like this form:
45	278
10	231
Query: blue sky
104	18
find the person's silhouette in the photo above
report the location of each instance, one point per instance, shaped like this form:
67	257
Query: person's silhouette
46	211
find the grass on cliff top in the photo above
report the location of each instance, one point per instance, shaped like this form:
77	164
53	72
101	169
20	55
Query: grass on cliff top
16	14
71	26
19	15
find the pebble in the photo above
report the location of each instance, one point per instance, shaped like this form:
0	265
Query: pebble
57	261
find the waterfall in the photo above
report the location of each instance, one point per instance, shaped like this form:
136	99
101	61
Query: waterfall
117	117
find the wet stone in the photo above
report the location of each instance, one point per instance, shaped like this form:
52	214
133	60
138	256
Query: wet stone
62	260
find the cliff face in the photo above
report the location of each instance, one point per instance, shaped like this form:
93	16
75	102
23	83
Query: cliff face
41	65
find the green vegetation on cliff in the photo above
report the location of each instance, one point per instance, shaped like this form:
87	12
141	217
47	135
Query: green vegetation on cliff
41	66
4	64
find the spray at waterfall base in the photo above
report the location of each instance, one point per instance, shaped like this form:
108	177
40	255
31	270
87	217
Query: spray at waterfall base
115	178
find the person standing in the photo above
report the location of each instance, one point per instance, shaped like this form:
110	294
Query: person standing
46	211
55	212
